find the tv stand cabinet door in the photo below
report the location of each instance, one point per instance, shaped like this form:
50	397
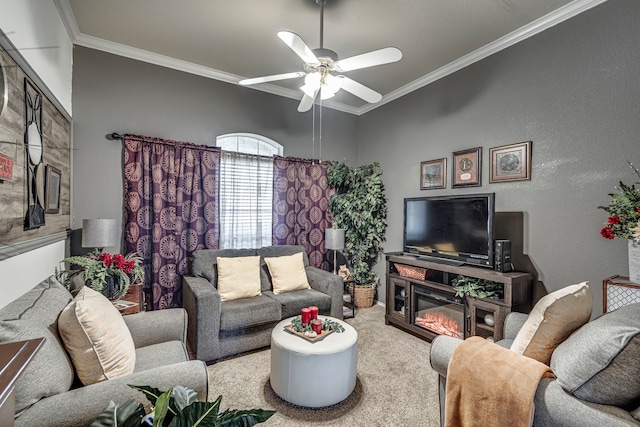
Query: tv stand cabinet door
398	299
485	318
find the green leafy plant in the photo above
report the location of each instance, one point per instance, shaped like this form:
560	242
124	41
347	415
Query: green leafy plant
624	212
360	207
177	407
474	287
97	265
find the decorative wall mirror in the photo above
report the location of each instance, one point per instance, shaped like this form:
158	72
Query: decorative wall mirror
33	146
4	88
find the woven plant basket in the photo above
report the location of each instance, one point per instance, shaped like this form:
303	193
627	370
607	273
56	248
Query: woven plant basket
363	295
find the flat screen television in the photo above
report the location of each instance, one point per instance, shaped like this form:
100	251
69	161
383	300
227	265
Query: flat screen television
451	229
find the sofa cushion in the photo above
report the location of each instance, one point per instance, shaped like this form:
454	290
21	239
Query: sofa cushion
599	363
277	251
96	337
205	261
553	318
49	373
293	302
287	273
247	312
159	355
238	277
43	302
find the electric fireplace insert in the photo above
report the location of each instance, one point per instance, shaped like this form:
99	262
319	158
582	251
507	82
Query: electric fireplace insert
438	312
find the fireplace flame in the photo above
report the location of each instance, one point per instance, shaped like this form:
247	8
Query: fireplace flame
440	323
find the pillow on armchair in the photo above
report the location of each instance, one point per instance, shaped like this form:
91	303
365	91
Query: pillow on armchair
600	363
555	317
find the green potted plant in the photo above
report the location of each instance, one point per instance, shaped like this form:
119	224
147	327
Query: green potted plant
360	207
110	274
474	287
177	407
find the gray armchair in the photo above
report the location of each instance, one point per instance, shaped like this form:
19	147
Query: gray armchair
554	406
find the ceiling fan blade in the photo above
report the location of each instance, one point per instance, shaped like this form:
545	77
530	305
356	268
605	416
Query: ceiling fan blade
298	46
369	59
256	80
360	90
307	102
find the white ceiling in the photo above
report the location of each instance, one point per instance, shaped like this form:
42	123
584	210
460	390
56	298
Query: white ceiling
233	39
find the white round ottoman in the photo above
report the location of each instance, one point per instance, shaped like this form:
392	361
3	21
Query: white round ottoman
313	374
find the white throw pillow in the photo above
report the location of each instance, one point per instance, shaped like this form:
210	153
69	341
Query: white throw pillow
238	277
96	337
287	273
555	317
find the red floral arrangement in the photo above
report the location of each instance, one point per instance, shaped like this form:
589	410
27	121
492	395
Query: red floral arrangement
624	212
96	266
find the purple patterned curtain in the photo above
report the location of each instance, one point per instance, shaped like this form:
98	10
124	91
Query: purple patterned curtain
300	206
171	210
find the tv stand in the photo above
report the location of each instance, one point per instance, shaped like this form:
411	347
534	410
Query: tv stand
426	289
439	260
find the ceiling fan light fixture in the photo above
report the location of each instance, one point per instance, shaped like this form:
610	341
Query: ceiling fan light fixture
331	86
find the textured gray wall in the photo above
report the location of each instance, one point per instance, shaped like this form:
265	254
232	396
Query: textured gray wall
574	91
116	94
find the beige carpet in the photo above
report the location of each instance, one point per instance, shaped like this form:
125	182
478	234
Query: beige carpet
395	384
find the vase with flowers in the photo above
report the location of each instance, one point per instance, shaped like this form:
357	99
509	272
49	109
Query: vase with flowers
110	274
624	221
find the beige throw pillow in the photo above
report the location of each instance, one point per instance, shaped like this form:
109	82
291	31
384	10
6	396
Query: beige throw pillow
287	273
555	317
238	277
96	337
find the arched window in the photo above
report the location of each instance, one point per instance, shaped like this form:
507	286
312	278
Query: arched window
246	189
249	143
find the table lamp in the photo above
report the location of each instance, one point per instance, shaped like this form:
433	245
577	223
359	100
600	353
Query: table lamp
334	239
99	233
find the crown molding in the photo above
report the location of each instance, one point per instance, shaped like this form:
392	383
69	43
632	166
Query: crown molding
554	18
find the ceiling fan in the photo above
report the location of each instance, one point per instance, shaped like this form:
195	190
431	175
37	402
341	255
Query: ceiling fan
322	68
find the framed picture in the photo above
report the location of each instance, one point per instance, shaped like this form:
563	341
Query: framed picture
52	184
510	162
433	174
467	170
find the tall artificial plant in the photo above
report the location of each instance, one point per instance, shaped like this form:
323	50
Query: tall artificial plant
360	207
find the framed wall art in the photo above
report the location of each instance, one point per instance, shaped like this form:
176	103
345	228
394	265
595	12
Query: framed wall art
53	177
433	174
510	162
467	168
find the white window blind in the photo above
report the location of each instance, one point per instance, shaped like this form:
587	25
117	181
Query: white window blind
246	190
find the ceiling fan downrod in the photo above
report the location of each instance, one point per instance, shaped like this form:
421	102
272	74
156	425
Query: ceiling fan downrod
321	3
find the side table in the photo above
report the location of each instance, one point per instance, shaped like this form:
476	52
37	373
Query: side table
349	307
132	302
14	358
618	291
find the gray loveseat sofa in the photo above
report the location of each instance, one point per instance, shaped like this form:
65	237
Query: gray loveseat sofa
597	370
223	328
47	393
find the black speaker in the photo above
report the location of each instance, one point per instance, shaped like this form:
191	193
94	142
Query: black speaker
503	256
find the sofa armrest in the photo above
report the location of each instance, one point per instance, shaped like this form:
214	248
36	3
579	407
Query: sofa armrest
81	406
513	323
202	302
330	284
442	348
154	327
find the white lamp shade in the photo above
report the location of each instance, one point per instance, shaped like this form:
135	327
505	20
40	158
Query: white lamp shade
99	233
334	238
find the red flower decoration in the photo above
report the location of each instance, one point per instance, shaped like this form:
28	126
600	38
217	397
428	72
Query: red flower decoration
607	233
614	219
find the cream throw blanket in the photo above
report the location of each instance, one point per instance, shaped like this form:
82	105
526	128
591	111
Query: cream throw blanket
488	385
